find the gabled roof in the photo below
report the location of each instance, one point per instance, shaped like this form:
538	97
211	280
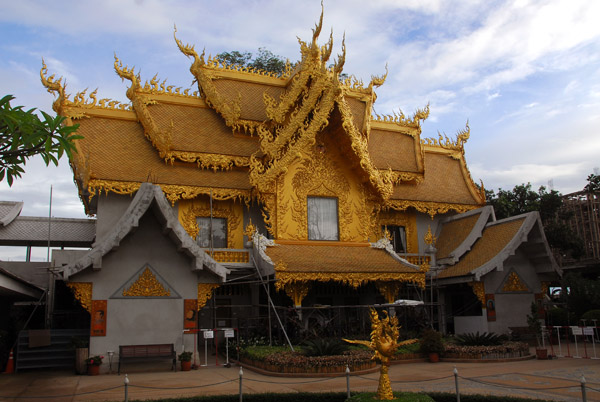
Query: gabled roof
498	241
9	210
457	234
33	231
148	198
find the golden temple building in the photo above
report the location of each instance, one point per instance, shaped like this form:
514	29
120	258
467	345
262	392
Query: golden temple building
255	187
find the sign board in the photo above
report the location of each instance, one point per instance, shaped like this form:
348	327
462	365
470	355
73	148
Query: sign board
209	334
229	333
577	330
588	331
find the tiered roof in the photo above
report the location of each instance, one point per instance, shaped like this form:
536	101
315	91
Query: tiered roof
242	128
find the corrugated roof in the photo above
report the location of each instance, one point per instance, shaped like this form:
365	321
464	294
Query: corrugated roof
335	259
117	150
443	181
389	149
33	231
494	239
453	234
198	129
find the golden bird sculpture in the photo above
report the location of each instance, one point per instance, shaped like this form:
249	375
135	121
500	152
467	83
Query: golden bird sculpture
384	343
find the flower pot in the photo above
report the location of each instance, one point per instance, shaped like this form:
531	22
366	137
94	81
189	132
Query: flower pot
434	357
186	365
542	354
93	369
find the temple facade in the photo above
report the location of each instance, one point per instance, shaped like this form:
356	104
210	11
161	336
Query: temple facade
256	192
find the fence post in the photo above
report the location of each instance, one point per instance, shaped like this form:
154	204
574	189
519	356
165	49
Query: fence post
456	384
348	380
583	395
126	386
241	376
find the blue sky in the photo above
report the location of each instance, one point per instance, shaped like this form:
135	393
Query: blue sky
525	74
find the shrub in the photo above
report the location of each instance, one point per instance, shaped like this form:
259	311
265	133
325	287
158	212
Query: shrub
431	342
324	347
591	315
185	357
558	316
408	349
477	339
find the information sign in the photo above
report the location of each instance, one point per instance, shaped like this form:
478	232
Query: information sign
577	330
209	334
229	333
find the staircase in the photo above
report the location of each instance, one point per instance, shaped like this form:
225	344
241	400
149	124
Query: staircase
59	354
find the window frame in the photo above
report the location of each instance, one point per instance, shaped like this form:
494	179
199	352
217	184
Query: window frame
337	217
226	228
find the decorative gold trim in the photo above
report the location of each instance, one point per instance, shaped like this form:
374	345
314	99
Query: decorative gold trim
230	256
479	290
514	284
191	211
402	120
389	290
147	286
205	291
429	238
83	293
354	279
388	218
428	207
296	291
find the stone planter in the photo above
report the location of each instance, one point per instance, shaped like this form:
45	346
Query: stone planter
81	354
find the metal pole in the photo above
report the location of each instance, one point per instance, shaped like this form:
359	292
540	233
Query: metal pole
49	306
241	376
348	381
211	225
456	384
583	394
126	388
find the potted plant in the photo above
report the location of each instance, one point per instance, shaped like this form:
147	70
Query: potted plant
186	360
432	344
93	364
81	346
535	327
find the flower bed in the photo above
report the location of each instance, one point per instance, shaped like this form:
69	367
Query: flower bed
504	351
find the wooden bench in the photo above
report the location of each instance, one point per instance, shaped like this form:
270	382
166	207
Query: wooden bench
135	353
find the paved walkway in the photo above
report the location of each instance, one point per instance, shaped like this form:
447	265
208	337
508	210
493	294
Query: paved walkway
550	379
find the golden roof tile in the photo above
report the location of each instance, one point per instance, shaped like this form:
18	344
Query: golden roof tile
494	239
250	94
453	234
117	150
393	150
335	259
444	181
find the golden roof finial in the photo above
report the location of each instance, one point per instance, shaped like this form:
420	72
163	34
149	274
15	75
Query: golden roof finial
378	81
429	237
54	87
250	229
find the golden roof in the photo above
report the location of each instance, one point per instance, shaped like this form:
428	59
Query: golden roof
494	239
396	151
335	258
453	234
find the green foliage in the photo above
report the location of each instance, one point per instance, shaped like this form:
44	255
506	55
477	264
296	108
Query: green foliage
533	322
24	134
558	316
431	342
94	360
583	293
593	185
451	397
398	396
324	347
591	315
185	356
260	352
477	339
265	397
409	349
265	60
522	199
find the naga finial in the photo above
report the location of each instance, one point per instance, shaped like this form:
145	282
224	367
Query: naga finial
377	81
53	87
339	64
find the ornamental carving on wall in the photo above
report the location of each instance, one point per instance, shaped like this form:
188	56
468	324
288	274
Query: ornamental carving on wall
83	293
146	286
514	284
192	211
318	176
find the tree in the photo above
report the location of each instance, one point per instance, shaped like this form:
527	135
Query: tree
24	134
265	60
593	183
522	199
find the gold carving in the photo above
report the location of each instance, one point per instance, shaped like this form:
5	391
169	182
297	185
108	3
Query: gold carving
249	231
389	290
205	291
431	208
297	291
402	120
479	290
384	343
354	279
230	256
429	237
514	284
192	211
387	218
83	293
147	286
118	187
444	142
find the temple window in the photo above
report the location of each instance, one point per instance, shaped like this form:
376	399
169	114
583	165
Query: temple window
322	218
397	237
219	230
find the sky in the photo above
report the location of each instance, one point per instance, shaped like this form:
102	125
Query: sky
525	75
